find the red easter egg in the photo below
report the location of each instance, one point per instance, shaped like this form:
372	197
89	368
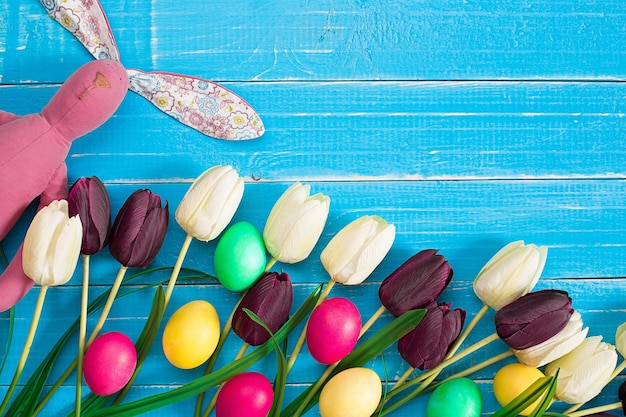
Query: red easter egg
248	394
109	363
333	330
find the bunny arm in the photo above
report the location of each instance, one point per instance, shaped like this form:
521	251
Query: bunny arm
33	149
14	283
6	117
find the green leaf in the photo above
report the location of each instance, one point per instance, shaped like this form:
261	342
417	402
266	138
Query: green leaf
281	374
546	400
205	382
363	353
526	398
9	337
3	257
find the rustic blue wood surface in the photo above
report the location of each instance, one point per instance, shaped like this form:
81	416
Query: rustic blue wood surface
466	124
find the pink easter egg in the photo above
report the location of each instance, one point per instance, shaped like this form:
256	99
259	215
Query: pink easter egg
248	394
333	330
109	363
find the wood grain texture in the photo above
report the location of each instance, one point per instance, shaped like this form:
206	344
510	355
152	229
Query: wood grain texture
465	124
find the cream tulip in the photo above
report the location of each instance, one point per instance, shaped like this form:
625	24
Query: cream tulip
584	371
620	339
357	249
511	273
52	245
210	203
558	345
295	224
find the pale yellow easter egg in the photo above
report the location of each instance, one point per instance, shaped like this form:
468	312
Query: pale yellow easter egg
511	380
354	392
191	334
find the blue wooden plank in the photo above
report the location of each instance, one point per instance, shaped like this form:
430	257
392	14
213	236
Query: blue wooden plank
405	131
346	40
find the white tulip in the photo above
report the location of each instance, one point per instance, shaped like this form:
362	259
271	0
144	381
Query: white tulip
584	371
620	339
295	224
357	249
558	345
210	203
510	274
52	245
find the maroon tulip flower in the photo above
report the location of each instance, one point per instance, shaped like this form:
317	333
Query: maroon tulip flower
90	200
139	229
270	299
533	318
416	283
427	344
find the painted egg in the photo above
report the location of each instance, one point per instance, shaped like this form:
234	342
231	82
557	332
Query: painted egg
333	330
191	334
513	379
248	394
240	257
459	397
354	392
109	363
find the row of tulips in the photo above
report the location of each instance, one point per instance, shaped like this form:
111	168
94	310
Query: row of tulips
541	328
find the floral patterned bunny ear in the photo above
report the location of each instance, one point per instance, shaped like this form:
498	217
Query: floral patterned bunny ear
200	104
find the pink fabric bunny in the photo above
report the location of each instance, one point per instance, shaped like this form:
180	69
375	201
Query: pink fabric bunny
34	148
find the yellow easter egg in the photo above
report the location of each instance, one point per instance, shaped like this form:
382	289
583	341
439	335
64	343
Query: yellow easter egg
191	334
511	380
354	392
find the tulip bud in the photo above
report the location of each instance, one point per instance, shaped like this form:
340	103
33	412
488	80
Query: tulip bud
270	299
620	339
210	203
357	249
89	198
427	344
416	283
139	229
52	245
533	318
558	345
510	273
295	224
584	371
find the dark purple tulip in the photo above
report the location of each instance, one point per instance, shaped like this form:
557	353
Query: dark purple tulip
90	200
139	229
426	345
621	394
270	299
416	283
533	318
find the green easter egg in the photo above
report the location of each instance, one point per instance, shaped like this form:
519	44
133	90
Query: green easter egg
240	257
458	397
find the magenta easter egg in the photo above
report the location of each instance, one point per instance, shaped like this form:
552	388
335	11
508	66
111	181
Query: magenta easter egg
248	394
109	363
333	330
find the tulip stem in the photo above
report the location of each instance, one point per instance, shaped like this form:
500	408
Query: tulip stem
426	384
176	271
242	351
381	310
479	315
270	264
618	370
225	332
107	307
594	410
315	388
437	369
27	345
82	334
300	343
